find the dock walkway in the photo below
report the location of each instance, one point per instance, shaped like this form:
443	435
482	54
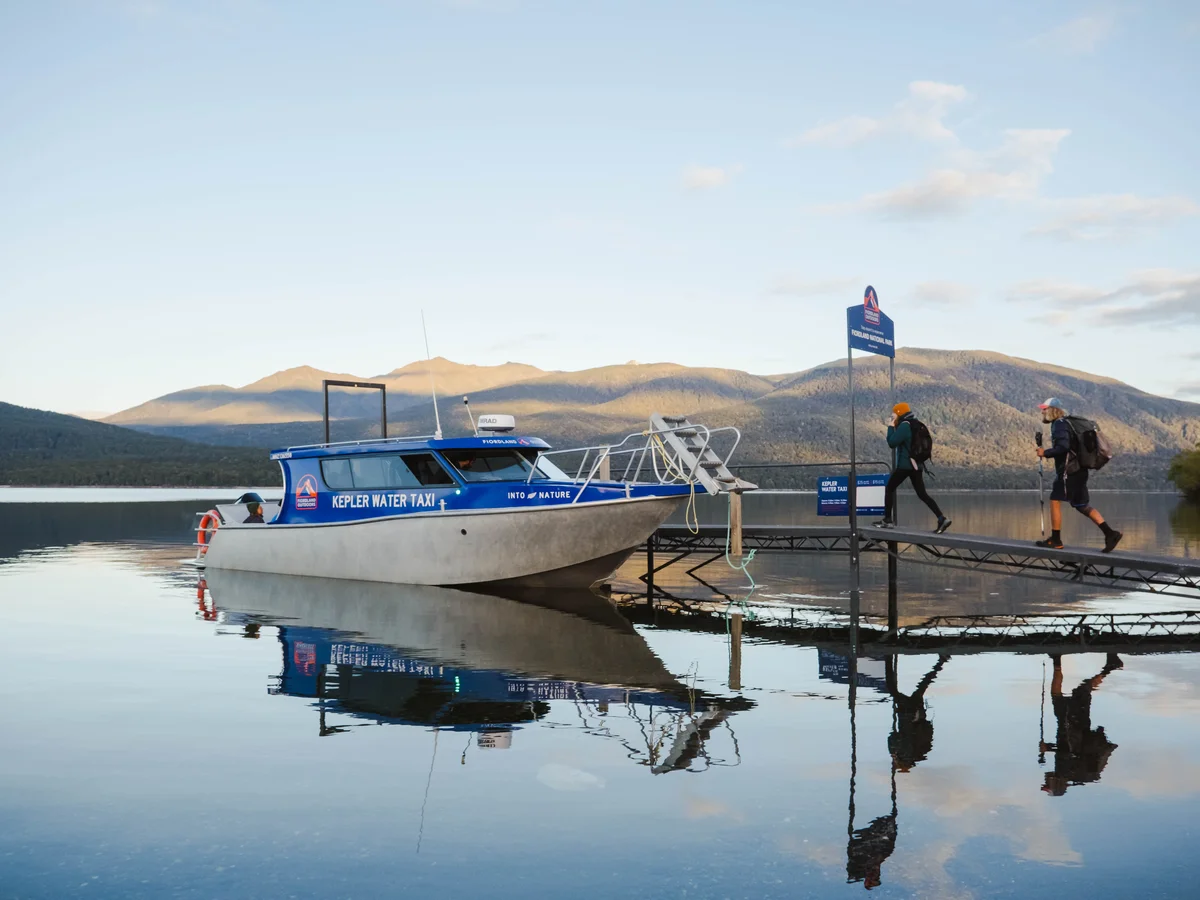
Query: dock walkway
1122	570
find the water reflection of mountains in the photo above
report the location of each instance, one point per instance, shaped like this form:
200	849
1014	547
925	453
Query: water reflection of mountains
427	656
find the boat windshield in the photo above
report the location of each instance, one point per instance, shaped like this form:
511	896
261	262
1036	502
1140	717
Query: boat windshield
490	465
504	465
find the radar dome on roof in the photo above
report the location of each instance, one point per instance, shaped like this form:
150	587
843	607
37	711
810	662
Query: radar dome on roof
497	424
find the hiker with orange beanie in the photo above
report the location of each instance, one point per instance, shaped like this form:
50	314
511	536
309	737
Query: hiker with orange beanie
900	438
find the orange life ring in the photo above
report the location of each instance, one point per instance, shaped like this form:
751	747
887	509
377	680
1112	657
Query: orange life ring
208	527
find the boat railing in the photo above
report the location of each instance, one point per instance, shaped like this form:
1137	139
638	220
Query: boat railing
667	467
387	440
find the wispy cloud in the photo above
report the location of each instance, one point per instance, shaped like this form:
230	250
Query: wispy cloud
1059	294
825	287
1083	34
1014	171
1113	216
485	5
706	178
921	114
942	293
1152	297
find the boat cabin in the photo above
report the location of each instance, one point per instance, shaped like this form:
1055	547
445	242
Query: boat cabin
332	483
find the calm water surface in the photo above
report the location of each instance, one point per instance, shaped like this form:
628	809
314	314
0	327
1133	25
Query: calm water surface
264	736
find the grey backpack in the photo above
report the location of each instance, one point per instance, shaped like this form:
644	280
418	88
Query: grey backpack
1089	447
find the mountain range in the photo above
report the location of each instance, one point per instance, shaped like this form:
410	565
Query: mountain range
980	406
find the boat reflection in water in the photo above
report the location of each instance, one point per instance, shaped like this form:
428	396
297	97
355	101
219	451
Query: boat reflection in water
467	661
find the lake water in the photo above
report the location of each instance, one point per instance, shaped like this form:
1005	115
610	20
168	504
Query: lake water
263	736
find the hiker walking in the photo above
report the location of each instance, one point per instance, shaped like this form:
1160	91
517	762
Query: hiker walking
902	428
1070	477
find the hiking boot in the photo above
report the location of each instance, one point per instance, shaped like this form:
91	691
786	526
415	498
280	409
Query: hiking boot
942	525
1049	543
883	523
1111	540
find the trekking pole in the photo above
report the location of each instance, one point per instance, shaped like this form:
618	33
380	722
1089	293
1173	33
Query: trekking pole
1041	484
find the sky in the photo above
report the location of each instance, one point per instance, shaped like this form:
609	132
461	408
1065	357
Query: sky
205	193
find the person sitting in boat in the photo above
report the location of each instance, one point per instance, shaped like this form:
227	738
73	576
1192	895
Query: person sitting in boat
256	514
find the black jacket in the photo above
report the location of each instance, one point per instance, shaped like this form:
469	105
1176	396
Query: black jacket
1060	445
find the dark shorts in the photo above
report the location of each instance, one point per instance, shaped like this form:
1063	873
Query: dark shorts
1073	489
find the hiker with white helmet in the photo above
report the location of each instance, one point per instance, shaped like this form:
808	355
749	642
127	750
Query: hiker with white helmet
1070	477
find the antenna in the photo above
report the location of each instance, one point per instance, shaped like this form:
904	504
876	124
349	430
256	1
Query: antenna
467	404
437	420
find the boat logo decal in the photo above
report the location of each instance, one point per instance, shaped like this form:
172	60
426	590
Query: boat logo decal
306	493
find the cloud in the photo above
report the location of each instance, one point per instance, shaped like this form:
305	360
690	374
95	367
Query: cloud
1015	814
819	288
567	778
1080	35
1188	391
1113	216
921	114
703	808
1156	773
1060	294
705	178
1155	296
1014	171
942	293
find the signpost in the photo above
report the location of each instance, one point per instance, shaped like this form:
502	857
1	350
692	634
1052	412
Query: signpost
867	328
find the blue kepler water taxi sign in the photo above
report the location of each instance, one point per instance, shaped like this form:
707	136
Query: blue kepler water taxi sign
867	328
833	493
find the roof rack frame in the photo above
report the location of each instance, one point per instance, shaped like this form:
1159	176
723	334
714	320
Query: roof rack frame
370	385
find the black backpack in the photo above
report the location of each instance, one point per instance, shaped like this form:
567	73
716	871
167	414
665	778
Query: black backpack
1089	447
920	448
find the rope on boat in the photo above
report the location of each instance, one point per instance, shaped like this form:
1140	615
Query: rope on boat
690	517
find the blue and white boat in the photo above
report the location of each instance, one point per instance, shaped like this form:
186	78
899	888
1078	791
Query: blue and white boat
490	508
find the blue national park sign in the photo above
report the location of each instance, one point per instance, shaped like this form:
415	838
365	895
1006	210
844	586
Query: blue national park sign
869	329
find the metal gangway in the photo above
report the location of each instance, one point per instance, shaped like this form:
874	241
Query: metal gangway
687	450
1123	570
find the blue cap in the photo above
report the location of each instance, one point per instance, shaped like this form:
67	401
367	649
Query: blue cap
1052	403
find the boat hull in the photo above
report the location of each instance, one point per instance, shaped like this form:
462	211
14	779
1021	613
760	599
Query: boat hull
572	545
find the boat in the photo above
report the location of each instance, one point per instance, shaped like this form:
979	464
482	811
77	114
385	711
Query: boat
490	508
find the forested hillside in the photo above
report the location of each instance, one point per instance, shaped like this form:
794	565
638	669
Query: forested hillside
45	448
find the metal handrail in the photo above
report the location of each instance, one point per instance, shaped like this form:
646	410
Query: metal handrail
386	440
607	451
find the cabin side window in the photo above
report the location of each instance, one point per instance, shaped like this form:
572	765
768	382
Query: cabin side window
378	471
428	470
382	472
336	473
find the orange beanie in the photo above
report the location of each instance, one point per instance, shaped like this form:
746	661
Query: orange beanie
901	409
